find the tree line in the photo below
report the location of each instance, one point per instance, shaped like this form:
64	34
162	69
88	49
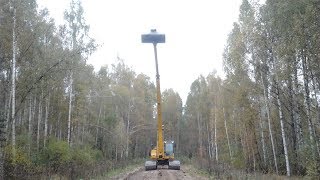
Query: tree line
264	115
60	117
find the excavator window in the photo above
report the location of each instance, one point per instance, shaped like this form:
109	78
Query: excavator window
169	149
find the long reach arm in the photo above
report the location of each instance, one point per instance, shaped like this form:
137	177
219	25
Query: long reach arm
160	145
159	155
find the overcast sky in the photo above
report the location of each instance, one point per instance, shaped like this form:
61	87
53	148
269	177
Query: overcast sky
196	33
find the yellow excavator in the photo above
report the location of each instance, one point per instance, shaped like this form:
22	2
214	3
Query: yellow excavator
163	152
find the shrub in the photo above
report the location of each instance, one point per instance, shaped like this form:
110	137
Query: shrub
17	166
56	156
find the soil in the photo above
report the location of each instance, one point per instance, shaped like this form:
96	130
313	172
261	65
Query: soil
162	173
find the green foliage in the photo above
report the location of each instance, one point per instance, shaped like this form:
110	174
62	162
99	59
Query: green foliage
84	156
310	163
57	155
238	160
111	120
185	160
19	165
313	168
128	167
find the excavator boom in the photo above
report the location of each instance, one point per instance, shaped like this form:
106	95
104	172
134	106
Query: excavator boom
159	156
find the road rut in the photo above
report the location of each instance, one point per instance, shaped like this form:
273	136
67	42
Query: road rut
163	173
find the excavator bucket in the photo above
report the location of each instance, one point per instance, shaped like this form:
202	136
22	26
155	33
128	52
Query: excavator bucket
175	164
150	165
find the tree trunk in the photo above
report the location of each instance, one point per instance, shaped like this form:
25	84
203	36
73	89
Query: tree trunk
13	83
46	120
209	141
315	96
227	134
283	135
266	101
70	108
30	127
1	161
98	124
264	152
254	159
281	117
39	120
2	142
215	132
199	136
7	114
127	130
307	100
297	117
59	128
293	124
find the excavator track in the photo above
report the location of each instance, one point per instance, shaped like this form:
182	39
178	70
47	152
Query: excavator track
175	165
150	165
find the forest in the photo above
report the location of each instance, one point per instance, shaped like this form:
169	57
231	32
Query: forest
59	116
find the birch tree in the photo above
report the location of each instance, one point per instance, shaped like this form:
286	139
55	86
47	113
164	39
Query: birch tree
81	45
13	76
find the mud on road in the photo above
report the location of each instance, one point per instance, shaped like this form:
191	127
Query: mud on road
162	173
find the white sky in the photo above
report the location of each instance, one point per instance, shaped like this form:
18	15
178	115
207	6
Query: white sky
196	33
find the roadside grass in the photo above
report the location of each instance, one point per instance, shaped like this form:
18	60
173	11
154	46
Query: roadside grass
193	168
198	172
240	175
119	171
189	166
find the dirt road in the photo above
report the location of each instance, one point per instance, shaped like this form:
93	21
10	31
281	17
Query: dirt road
162	173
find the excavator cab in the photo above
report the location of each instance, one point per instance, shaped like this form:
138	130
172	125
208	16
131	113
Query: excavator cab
168	148
169	153
167	159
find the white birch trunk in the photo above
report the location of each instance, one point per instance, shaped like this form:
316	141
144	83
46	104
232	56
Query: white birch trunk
283	133
30	126
50	130
46	120
127	131
116	152
7	114
199	135
59	127
262	140
98	124
215	133
315	96
266	101
13	85
70	106
212	134
308	102
235	124
227	134
39	121
178	137
209	143
296	110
